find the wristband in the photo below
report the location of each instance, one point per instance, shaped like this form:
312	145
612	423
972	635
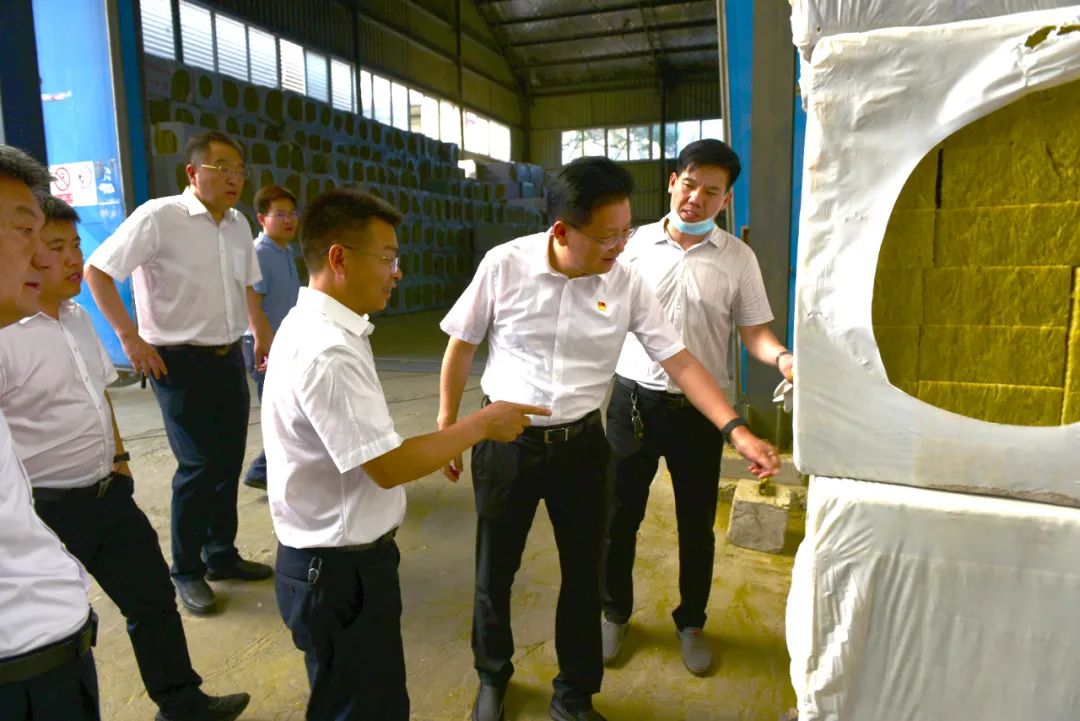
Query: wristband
732	425
121	458
780	355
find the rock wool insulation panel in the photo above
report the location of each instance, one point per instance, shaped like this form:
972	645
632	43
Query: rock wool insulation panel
938	257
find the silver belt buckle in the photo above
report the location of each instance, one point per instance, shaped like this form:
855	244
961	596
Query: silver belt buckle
551	436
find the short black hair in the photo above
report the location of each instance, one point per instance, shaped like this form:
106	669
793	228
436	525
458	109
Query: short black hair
710	151
268	194
56	209
199	145
17	165
335	213
585	184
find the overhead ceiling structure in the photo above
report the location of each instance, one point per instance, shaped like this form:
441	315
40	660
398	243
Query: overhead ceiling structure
560	46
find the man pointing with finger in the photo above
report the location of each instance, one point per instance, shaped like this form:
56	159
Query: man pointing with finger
556	307
336	464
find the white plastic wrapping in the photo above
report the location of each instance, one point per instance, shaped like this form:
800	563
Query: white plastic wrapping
879	102
909	604
812	20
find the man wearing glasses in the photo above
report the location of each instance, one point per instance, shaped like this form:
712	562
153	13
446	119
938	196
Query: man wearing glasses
193	266
556	307
276	212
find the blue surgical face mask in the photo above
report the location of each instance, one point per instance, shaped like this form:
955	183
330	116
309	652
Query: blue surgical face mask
703	227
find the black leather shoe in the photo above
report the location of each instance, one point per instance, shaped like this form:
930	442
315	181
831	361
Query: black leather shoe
196	596
561	713
489	703
241	571
210	708
252	482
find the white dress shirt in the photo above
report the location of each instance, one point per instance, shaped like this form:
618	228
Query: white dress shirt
189	274
554	340
323	416
704	290
42	587
53	375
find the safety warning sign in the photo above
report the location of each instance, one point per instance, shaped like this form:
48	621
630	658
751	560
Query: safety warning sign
74	183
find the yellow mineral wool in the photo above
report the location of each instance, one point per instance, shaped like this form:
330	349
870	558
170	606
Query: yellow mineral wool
986	234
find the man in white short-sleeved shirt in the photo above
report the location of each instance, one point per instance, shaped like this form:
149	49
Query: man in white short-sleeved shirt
46	628
706	280
53	375
193	266
336	464
555	307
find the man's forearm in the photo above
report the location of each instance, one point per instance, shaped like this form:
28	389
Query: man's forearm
457	361
761	343
115	428
421	455
257	320
700	387
107	297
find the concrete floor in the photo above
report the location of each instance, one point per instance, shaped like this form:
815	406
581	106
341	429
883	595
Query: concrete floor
247	647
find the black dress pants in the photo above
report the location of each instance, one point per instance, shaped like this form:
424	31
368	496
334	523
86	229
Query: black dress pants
509	481
692	446
204	402
344	611
114	541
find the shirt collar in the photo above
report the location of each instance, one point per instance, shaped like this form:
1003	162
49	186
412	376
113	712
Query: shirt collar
539	259
65	309
316	300
195	207
263	238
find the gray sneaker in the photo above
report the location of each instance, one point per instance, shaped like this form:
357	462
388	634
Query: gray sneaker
695	651
612	634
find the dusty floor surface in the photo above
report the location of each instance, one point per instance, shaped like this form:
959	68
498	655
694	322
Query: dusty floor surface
246	647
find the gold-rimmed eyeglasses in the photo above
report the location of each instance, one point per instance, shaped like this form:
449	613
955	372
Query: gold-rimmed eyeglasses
394	263
240	173
609	242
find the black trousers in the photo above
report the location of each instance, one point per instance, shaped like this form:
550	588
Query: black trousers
115	542
509	480
66	693
693	447
344	611
205	403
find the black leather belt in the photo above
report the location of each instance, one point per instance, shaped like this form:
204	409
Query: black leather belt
97	489
674	401
217	350
39	661
384	538
562	432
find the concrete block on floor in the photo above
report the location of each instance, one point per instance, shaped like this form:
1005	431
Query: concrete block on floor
759	522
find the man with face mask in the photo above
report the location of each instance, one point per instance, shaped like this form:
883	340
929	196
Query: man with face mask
706	280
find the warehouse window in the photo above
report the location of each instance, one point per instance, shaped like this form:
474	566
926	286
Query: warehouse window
429	117
316	76
399	99
449	123
641	142
292	67
262	49
341	85
232	47
197	36
366	107
477	139
500	141
157	28
416	111
383	111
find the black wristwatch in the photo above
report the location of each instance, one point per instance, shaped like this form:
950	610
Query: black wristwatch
732	425
121	458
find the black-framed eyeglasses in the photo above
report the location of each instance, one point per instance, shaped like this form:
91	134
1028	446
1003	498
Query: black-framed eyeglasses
241	173
394	263
609	242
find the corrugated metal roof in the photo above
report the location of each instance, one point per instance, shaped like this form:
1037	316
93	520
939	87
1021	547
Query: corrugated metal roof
554	44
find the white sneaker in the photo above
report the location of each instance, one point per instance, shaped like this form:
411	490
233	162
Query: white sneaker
612	634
